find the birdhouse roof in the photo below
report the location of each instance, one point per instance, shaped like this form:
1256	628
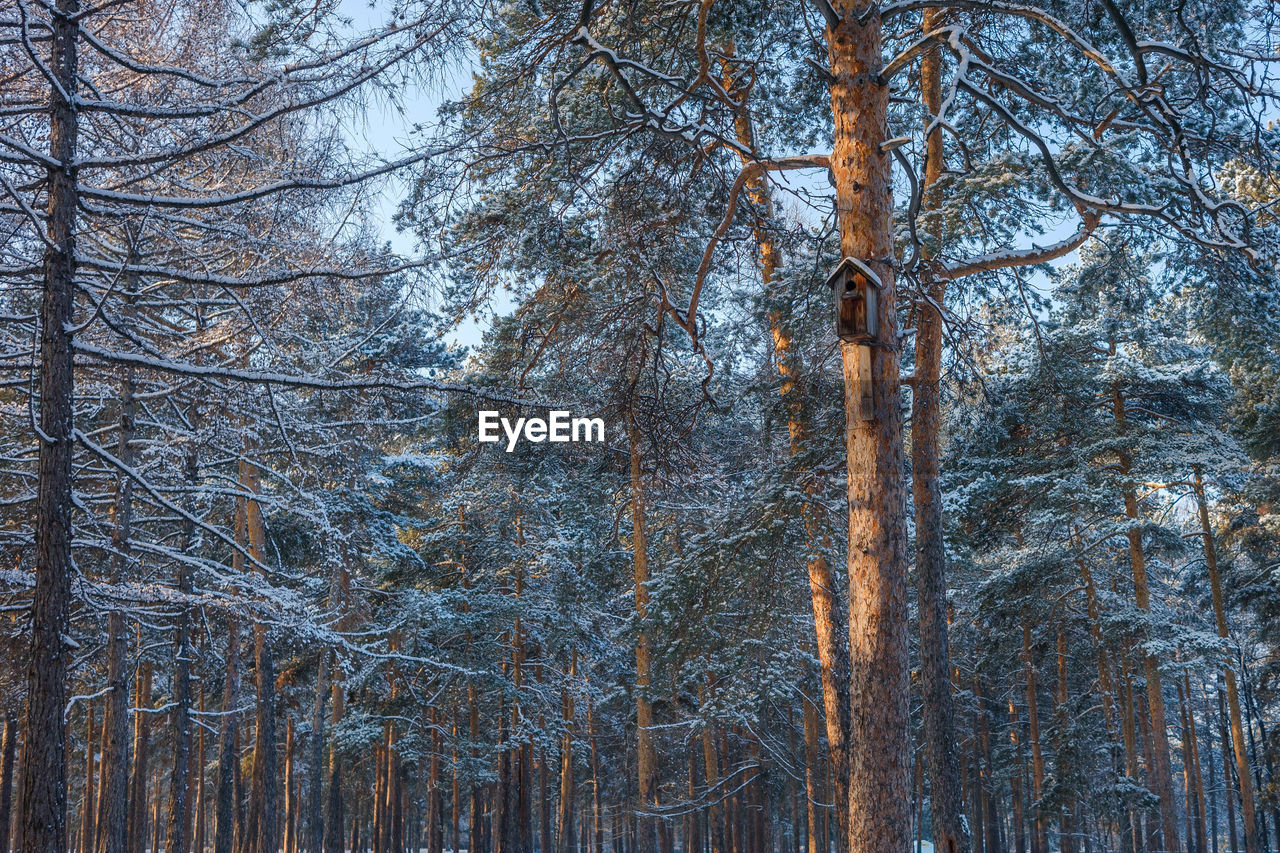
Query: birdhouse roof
853	265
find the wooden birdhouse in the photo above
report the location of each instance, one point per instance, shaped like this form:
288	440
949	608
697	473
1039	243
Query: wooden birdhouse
856	292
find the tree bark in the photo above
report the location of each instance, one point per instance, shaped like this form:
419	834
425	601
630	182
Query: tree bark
43	783
646	755
1162	774
1233	695
6	779
224	809
1039	839
87	815
879	763
950	835
178	836
566	840
137	831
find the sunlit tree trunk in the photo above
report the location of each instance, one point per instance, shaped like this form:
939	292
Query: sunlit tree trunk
879	764
137	832
566	840
1161	770
228	778
646	755
1233	695
7	755
950	834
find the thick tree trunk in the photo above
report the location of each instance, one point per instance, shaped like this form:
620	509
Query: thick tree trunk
43	783
646	755
950	834
879	764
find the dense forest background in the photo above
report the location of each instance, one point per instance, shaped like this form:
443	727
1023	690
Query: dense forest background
1003	575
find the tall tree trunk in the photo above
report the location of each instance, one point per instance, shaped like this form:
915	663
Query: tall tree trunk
262	823
565	836
224	808
1015	782
711	779
290	798
7	756
113	795
1233	695
313	833
1066	819
1040	843
950	834
43	784
879	763
1192	780
646	755
824	596
1162	773
137	832
812	777
178	836
87	804
1225	736
198	835
597	811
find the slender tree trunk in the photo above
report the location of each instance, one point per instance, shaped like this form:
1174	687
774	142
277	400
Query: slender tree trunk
87	801
290	800
1040	842
1233	696
646	755
178	836
7	756
565	836
1225	736
711	779
1015	782
224	808
198	837
43	783
828	618
1192	780
1066	820
879	764
313	836
262	824
597	813
137	832
812	777
950	834
1162	774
